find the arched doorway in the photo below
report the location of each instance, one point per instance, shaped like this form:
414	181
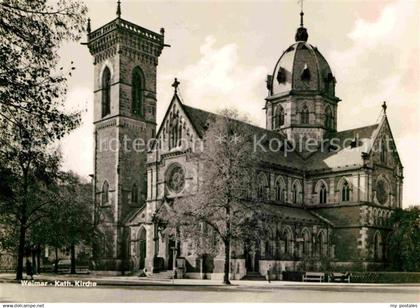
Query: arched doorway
252	254
142	248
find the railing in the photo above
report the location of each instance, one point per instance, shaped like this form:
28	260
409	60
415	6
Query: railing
115	24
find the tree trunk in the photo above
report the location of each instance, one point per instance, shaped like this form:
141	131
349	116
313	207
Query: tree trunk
38	258
34	263
56	261
227	262
73	259
21	252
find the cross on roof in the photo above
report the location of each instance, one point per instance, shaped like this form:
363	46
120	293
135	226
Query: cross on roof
175	85
384	106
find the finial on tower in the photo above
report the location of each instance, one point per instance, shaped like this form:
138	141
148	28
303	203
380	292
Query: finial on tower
301	33
384	106
301	13
119	8
175	85
88	27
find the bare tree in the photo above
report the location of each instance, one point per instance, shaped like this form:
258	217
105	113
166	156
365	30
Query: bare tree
222	201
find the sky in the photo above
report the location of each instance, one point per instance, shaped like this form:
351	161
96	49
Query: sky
221	51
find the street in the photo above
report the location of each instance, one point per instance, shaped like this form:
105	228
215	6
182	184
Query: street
13	292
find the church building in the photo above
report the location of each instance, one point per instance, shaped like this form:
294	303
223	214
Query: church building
334	202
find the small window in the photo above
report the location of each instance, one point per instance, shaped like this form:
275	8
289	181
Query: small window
329	119
383	151
105	193
281	75
296	193
345	192
305	115
306	74
288	242
134	194
323	194
262	189
278	119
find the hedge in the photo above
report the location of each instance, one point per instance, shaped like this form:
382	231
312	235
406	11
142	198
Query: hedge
385	277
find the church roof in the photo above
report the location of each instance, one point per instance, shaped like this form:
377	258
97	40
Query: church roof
346	150
200	119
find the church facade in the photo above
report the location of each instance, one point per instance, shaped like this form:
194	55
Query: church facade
334	202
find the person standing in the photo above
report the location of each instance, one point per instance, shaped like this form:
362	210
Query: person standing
268	273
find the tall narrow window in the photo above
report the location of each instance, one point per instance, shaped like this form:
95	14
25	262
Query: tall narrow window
345	192
296	192
106	92
137	92
329	120
383	151
134	194
279	190
305	115
323	194
306	243
278	119
262	192
288	242
105	193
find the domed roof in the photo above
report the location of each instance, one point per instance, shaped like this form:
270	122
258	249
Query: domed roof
302	68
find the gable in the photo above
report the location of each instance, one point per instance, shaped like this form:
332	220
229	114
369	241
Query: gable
176	120
383	149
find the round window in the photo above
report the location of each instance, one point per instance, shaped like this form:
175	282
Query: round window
381	192
175	178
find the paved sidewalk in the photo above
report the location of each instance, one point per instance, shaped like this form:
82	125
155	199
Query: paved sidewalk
131	281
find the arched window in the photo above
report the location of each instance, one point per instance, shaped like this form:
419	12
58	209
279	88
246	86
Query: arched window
288	241
321	244
106	92
262	186
329	119
105	193
278	119
306	248
304	115
323	194
137	92
134	194
383	151
345	192
175	130
269	247
279	190
296	192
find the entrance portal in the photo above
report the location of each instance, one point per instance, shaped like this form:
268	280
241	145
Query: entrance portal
252	254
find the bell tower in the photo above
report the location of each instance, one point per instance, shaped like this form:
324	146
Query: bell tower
301	102
125	58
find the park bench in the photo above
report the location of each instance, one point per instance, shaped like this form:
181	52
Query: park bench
339	277
313	276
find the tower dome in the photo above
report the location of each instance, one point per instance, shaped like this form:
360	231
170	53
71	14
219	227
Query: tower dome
301	102
302	68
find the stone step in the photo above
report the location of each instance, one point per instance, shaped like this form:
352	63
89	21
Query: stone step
162	275
253	276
